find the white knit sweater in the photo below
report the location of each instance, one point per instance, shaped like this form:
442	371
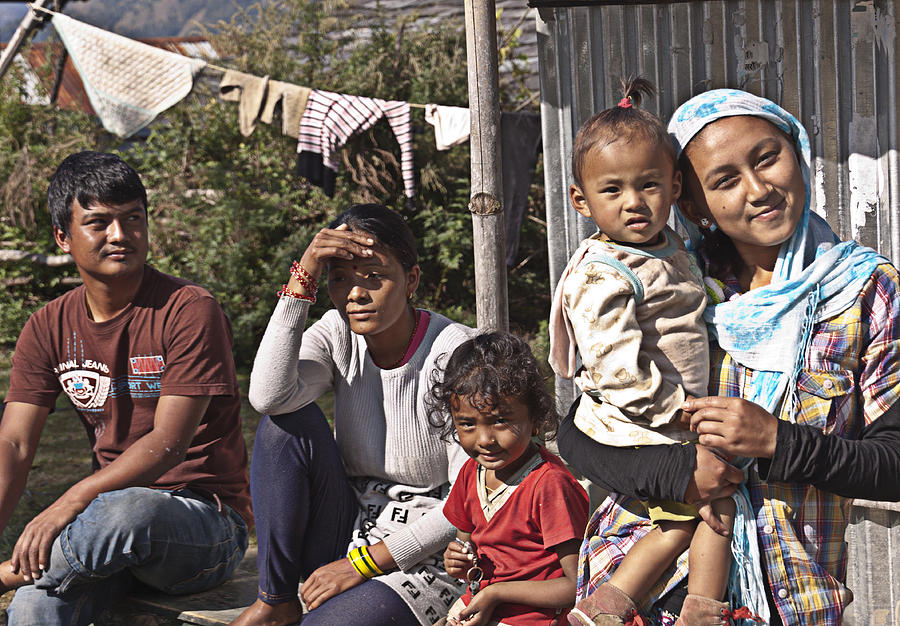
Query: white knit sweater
380	423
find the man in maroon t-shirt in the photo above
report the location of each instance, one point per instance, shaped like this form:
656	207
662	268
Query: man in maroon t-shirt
145	359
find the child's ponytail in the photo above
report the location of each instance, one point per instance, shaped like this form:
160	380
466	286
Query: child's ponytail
625	121
634	89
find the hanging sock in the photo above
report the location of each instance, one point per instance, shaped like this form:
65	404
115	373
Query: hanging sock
520	146
293	102
247	90
330	119
128	82
452	125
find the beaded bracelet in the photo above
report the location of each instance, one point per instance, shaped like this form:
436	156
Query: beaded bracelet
363	562
303	277
306	285
285	291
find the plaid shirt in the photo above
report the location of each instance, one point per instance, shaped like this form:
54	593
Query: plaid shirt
850	377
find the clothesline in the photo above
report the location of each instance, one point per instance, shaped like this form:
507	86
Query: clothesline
129	83
210	66
223	70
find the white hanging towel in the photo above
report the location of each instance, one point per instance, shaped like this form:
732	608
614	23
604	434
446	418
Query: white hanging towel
451	124
128	83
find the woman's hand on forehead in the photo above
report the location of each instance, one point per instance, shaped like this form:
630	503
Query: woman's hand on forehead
336	243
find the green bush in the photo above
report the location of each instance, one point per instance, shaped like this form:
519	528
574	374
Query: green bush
33	140
229	212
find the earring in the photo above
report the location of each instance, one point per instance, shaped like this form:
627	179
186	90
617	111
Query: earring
705	222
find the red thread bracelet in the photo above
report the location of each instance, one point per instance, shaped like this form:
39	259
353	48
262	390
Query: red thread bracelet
303	277
285	291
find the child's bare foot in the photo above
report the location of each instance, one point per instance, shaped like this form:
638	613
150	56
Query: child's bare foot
10	581
700	611
261	614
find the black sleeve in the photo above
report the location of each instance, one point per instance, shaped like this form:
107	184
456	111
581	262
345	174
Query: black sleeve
867	467
661	472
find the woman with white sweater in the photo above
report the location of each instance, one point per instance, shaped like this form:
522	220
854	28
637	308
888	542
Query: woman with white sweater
357	513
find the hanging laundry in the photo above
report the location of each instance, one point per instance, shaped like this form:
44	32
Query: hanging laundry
248	91
311	167
330	119
520	146
293	103
128	83
452	125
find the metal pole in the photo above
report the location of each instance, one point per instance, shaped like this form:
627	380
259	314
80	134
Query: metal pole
28	23
58	75
485	202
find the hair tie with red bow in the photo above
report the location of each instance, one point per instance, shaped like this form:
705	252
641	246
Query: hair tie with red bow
625	102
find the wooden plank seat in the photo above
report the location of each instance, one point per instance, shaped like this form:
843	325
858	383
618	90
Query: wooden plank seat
211	608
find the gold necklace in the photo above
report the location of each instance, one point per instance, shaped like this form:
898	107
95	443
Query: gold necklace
417	315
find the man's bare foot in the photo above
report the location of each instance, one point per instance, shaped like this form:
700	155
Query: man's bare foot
10	581
261	614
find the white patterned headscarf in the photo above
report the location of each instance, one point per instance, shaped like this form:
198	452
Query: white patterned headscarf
695	114
769	329
816	276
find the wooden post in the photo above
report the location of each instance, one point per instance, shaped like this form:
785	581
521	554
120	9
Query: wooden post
29	23
485	201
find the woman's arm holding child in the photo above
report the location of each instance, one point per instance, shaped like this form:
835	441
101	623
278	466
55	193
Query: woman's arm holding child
557	593
684	473
862	468
859	465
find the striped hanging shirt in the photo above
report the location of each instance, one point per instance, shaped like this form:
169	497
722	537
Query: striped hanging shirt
330	119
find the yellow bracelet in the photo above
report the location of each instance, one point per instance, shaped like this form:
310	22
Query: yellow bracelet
359	564
363	562
355	562
370	561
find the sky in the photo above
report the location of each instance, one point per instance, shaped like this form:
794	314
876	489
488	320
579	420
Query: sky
161	18
11	13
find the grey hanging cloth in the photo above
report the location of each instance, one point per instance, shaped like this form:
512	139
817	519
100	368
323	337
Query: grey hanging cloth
520	146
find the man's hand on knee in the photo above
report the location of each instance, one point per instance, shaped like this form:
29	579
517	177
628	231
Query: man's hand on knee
31	554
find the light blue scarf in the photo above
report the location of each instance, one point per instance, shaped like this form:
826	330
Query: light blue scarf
769	329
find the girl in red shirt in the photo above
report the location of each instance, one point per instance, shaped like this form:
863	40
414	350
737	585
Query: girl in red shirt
519	513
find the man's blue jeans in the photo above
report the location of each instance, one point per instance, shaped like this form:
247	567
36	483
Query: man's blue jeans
176	542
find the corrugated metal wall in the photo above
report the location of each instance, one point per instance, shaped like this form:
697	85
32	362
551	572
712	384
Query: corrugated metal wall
830	63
